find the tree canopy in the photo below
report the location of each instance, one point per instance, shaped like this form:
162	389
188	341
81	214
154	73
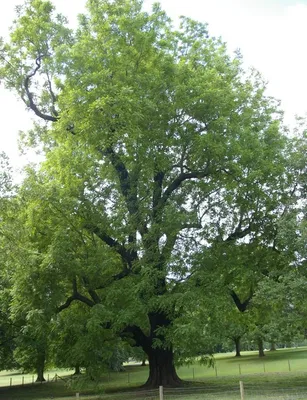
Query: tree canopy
167	168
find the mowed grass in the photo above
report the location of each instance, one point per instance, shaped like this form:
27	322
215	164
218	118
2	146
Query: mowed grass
17	378
281	374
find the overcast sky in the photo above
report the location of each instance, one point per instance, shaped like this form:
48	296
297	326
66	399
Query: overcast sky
271	35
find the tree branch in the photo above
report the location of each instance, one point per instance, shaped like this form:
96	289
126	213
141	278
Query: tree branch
128	256
239	233
157	192
125	272
127	187
29	101
75	296
138	335
96	299
241	306
53	96
184	176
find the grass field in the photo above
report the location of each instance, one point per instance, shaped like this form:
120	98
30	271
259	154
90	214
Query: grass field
280	375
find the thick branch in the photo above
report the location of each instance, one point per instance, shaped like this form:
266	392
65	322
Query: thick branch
239	233
96	299
241	306
157	192
127	187
29	101
180	179
66	304
75	296
128	256
138	335
53	96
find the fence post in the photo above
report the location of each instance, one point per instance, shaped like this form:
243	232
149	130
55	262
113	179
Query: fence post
242	390
289	365
32	379
23	380
48	378
160	392
11	381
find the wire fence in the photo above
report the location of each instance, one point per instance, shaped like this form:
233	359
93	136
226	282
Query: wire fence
237	391
272	386
20	380
250	392
192	374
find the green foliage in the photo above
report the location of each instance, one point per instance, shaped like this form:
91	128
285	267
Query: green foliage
78	340
168	172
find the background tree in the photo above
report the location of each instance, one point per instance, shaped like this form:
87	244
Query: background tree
8	329
79	342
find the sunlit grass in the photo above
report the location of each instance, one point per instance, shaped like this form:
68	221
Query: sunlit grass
280	374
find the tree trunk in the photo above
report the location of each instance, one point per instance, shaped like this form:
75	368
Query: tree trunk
144	362
273	346
260	348
237	343
77	370
40	367
162	371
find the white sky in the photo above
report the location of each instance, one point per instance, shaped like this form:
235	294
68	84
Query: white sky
270	33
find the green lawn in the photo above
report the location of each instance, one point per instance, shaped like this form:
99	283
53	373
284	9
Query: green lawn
16	378
280	375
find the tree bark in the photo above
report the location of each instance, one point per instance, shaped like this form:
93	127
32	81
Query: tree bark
40	367
238	347
162	371
260	348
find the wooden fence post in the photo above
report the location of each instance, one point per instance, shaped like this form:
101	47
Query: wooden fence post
160	392
242	390
11	381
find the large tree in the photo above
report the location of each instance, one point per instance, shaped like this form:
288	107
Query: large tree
158	147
